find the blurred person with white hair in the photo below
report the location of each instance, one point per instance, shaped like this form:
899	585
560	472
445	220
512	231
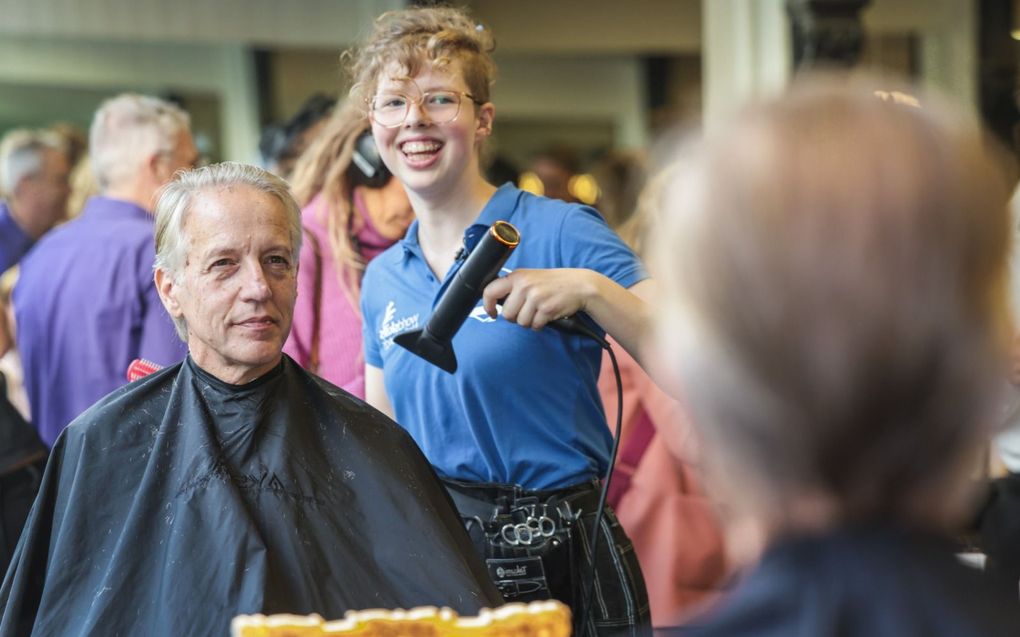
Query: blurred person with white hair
833	269
85	303
34	190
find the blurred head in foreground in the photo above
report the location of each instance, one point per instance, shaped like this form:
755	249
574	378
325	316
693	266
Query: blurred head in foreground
834	267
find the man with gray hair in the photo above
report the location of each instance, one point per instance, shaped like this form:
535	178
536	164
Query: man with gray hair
234	482
85	303
33	190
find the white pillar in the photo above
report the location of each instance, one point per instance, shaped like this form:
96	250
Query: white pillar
746	53
949	56
239	117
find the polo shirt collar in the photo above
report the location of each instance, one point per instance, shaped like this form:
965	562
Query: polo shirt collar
500	207
108	207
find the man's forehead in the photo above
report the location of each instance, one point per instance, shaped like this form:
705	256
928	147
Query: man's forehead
227	206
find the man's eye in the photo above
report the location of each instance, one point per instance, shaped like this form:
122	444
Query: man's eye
278	260
221	263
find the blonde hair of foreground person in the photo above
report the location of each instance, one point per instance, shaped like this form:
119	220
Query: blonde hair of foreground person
834	270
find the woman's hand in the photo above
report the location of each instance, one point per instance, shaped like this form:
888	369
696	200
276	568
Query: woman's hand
533	298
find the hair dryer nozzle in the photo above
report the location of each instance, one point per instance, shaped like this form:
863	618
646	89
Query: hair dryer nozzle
480	267
421	342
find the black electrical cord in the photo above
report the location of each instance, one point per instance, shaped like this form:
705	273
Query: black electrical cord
578	326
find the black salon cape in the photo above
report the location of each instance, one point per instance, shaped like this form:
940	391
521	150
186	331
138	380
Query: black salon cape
180	501
874	582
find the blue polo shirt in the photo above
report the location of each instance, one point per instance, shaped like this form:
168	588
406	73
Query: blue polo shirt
523	407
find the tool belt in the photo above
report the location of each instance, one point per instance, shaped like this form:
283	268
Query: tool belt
527	538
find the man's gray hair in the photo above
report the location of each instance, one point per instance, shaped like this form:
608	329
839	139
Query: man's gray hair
126	130
178	198
22	154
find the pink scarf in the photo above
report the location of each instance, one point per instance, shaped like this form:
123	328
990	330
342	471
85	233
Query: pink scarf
368	241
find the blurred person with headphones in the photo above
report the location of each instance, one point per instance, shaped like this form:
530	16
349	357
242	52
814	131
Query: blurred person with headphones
353	210
283	144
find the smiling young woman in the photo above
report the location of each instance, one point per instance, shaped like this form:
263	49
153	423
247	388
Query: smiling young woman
521	420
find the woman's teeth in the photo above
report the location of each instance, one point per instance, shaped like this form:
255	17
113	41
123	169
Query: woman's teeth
418	148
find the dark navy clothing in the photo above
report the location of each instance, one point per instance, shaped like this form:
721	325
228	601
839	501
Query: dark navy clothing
14	243
879	582
86	306
523	407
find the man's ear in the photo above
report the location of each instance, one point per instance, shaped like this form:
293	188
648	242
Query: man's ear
154	164
167	290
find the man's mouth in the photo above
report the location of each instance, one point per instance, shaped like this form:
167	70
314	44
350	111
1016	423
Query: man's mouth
258	321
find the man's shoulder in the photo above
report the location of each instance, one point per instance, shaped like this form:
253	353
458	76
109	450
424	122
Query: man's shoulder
125	410
321	391
346	408
83	236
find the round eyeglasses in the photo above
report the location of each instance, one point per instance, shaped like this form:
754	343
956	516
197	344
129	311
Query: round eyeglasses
441	107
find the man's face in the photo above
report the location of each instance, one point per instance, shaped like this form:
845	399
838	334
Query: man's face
43	196
237	288
183	156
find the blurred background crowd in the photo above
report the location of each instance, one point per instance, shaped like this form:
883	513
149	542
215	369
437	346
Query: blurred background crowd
586	92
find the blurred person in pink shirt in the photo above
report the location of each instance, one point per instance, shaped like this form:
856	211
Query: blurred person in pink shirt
656	490
352	210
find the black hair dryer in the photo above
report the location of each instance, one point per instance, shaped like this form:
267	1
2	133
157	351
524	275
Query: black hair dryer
434	341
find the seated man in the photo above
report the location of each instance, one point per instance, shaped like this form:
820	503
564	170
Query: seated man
234	482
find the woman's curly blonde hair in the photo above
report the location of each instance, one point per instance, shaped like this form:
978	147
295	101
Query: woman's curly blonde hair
410	38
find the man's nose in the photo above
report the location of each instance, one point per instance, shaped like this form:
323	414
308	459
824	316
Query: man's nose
256	284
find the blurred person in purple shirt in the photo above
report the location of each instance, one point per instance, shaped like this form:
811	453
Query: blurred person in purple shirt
34	189
85	303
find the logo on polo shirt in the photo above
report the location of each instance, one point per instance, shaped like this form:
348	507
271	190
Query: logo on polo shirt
391	326
479	314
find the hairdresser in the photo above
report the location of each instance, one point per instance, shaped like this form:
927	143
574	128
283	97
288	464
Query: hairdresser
518	432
